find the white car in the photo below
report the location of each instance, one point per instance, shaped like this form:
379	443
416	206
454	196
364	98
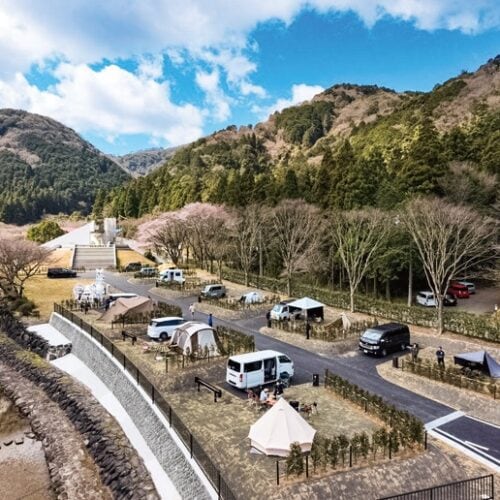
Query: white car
163	328
426	299
470	286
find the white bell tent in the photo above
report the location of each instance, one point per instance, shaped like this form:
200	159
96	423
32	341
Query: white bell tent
277	429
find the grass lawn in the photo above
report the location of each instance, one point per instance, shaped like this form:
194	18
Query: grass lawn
60	257
44	291
125	257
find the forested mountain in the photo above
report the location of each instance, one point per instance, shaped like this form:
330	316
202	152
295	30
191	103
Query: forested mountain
144	161
349	147
46	167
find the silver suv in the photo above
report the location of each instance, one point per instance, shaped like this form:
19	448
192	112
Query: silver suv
213	291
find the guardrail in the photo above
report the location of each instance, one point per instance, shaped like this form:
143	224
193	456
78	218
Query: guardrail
195	449
480	488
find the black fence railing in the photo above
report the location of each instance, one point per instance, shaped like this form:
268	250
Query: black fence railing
478	488
195	449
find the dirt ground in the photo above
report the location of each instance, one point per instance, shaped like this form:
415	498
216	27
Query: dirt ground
20	461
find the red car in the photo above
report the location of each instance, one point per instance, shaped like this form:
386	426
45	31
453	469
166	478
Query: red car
458	290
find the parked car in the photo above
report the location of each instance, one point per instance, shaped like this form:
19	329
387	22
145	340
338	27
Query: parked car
458	290
146	272
449	300
172	275
426	299
60	272
257	368
380	340
163	328
284	311
132	267
216	291
470	286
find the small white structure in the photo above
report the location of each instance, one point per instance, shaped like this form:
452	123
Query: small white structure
194	337
97	290
277	429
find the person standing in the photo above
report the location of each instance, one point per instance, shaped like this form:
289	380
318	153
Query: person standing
279	389
210	320
440	357
268	318
414	352
191	310
308	329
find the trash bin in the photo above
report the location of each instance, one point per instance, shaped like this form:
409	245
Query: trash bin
395	362
316	380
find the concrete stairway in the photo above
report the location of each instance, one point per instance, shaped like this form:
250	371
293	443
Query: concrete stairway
93	257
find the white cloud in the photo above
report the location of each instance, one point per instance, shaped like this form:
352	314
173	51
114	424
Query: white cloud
215	96
301	92
191	32
110	102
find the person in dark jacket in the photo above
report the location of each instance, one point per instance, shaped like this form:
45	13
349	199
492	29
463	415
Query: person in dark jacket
210	320
268	318
440	357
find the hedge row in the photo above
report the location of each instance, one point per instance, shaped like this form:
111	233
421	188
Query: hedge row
409	429
453	376
460	322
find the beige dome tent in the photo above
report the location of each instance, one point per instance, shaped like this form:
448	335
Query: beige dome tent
194	337
127	306
276	430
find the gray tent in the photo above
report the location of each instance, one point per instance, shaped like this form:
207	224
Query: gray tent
480	360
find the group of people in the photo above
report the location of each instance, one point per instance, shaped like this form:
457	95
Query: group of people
440	354
192	310
265	397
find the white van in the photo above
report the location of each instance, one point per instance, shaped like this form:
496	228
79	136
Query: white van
283	311
163	328
172	275
245	371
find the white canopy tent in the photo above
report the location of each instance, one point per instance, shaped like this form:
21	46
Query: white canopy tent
195	336
281	426
311	308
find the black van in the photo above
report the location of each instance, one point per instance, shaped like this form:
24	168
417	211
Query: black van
380	340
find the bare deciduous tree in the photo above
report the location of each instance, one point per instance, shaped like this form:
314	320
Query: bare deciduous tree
296	227
358	236
246	237
19	261
452	241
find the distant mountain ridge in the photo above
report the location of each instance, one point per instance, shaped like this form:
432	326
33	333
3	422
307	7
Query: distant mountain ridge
144	161
46	167
349	146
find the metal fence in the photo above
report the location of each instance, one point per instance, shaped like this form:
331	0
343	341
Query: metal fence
478	488
195	449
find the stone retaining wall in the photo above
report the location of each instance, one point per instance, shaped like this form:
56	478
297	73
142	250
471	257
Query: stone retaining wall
144	416
56	405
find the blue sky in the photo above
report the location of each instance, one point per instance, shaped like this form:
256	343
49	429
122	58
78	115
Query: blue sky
132	75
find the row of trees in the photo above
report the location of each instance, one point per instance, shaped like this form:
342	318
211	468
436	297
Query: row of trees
381	164
294	237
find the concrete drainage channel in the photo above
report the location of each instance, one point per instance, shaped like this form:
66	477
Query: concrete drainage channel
184	473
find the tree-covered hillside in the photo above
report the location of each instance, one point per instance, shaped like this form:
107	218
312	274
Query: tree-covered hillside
46	167
350	147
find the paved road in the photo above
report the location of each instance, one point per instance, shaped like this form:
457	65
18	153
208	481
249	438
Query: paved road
356	368
359	369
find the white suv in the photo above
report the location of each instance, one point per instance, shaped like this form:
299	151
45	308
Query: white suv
162	328
426	299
